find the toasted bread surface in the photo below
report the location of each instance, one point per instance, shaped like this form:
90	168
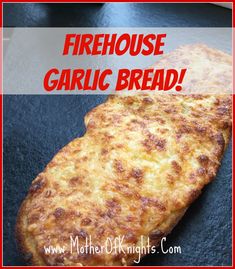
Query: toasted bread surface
141	163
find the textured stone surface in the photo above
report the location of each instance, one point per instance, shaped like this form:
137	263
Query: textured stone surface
36	127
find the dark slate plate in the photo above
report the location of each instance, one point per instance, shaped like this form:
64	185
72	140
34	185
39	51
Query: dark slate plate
36	127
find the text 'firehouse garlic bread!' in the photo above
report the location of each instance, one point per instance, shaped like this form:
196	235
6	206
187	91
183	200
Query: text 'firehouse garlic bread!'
141	163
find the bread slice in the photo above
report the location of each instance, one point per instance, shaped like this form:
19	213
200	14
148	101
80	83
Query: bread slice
142	162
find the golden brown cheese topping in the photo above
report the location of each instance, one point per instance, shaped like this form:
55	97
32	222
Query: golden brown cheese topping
142	161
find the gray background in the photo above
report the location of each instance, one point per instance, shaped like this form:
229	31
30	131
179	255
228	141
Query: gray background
36	127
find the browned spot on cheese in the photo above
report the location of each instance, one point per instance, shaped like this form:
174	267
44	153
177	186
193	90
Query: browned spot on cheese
184	129
59	260
120	146
224	125
59	212
100	231
91	124
200	129
147	100
163	130
84	158
193	194
129	100
192	178
72	214
171	110
113	203
203	159
201	171
108	136
114	208
107	214
195	114
104	152
152	202
156	235
217	101
85	221
211	172
77	150
197	96
125	190
118	166
220	139
177	168
135	124
138	174
81	233
170	179
74	181
185	149
130	237
48	193
130	218
34	218
222	110
51	164
37	185
152	142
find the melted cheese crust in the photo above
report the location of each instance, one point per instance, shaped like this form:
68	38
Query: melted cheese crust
141	163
